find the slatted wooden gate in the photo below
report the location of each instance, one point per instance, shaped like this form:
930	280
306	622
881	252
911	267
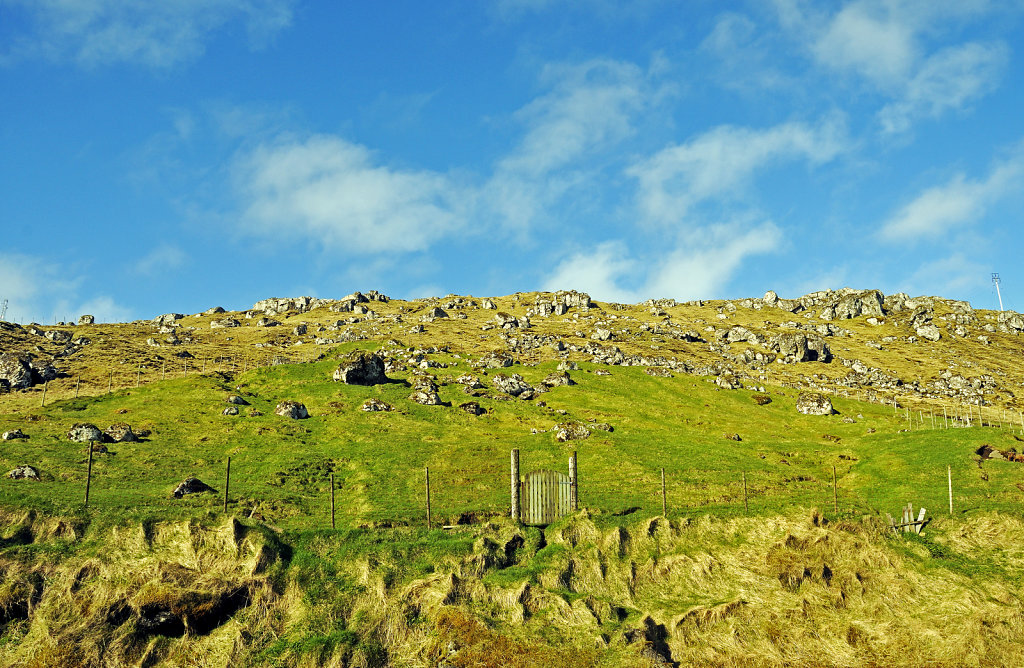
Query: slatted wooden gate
545	496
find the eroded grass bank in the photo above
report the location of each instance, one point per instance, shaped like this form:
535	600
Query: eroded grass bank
590	590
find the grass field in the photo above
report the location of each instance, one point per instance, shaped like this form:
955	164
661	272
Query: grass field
803	571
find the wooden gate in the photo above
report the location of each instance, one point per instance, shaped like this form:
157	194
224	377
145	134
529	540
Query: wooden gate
545	496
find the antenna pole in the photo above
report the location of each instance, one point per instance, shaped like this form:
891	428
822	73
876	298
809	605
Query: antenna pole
995	281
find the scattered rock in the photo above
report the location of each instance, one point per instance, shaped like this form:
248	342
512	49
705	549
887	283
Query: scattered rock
373	405
558	379
237	400
14	434
426	398
300	330
230	410
119	432
473	408
732	437
497	360
658	372
83	432
291	409
812	403
601	334
513	385
361	368
86	320
571	431
191	485
727	382
929	331
488	304
24	472
470	381
224	323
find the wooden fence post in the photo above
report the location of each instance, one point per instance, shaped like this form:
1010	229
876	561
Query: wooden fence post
138	378
835	492
746	508
78	384
332	501
88	477
664	498
227	483
426	472
949	475
45	385
573	483
514	483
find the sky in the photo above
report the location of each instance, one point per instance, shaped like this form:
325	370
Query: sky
174	156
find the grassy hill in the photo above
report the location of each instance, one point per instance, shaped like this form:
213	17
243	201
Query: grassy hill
774	550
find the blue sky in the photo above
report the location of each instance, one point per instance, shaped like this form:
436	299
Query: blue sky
175	156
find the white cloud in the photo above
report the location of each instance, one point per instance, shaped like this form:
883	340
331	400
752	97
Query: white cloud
957	203
722	161
332	191
948	80
162	258
44	292
950	276
590	108
895	47
157	34
700	266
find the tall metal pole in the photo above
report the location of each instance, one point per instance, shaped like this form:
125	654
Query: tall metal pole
995	280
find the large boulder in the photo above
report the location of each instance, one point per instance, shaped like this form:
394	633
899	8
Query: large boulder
14	434
800	347
929	331
16	370
291	409
869	303
558	378
426	397
84	432
361	368
812	403
86	320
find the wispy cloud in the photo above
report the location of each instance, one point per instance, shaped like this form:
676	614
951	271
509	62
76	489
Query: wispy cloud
155	34
700	266
722	161
162	258
959	202
42	291
329	189
949	80
894	47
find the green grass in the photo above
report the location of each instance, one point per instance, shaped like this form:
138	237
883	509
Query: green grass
280	468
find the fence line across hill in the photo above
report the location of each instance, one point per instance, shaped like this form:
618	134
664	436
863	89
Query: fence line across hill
101	481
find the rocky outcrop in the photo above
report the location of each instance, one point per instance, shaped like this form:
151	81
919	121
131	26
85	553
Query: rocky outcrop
571	431
513	385
361	368
16	370
224	323
120	432
800	347
86	320
24	472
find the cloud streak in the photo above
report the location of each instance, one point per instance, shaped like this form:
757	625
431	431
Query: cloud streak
156	34
958	203
723	160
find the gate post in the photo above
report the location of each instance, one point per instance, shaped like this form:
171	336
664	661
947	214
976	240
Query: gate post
514	483
573	486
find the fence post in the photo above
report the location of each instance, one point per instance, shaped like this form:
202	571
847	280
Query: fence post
949	475
45	385
514	481
835	492
227	483
573	483
664	499
88	477
746	508
78	384
426	472
332	501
